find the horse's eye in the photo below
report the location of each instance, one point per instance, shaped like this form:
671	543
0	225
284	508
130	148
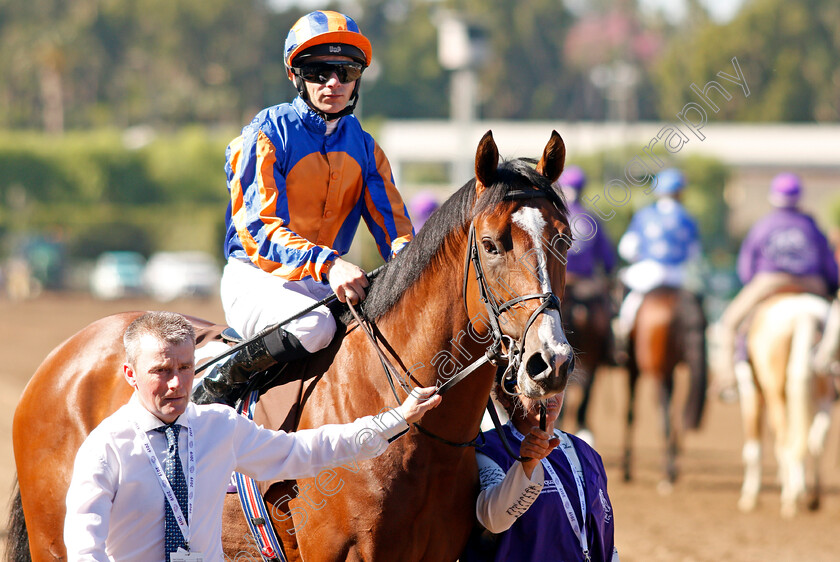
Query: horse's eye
489	246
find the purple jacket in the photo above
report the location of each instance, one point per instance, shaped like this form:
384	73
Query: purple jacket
544	532
591	245
789	241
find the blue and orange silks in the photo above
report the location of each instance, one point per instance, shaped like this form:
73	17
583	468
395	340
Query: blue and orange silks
297	195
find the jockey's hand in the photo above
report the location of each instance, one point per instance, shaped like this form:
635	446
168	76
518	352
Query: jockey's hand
347	281
418	403
536	446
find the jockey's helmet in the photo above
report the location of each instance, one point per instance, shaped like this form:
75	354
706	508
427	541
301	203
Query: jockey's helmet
785	190
670	182
324	32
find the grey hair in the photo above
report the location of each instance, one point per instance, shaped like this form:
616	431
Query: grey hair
170	327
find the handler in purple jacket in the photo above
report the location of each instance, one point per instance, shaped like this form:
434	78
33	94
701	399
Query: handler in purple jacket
553	506
785	249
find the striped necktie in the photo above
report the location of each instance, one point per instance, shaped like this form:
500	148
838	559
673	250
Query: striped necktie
175	474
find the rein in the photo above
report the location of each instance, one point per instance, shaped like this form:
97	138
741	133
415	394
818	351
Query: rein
264	332
390	372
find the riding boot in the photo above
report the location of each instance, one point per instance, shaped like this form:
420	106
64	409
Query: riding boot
226	383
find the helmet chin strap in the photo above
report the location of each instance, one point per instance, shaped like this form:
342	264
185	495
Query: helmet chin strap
348	109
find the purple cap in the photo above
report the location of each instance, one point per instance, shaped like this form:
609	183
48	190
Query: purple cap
421	207
785	190
573	177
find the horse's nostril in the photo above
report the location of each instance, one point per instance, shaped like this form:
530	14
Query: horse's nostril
536	366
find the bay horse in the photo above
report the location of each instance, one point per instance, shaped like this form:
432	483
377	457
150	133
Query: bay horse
780	376
586	310
670	328
487	267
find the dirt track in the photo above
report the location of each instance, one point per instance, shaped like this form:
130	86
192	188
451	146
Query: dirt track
698	521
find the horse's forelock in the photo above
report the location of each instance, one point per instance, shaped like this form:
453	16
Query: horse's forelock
516	175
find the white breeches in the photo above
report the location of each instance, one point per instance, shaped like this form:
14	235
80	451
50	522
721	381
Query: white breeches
627	313
646	275
253	300
641	278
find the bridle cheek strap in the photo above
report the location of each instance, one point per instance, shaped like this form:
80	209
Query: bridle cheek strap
515	348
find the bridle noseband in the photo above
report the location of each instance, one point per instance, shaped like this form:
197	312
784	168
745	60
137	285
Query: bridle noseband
512	356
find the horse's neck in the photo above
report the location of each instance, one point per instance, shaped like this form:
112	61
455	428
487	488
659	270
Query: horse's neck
441	343
434	307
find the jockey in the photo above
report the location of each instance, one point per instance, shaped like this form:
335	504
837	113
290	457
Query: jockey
592	246
662	244
301	176
782	251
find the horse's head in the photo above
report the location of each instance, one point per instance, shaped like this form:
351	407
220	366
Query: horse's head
518	240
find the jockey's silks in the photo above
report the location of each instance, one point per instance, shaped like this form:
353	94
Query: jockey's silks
297	195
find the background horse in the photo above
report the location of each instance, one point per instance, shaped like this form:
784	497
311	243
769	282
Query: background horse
670	328
432	313
586	311
827	354
780	341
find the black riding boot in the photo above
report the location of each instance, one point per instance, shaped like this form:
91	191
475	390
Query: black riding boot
225	384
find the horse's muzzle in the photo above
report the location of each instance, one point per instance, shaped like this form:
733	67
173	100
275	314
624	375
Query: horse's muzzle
547	373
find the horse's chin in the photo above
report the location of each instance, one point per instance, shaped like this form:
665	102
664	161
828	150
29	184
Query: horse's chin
537	391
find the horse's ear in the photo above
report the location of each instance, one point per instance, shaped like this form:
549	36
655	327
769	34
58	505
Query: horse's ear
486	163
553	158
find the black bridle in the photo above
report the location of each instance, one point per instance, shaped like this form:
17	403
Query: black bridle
515	348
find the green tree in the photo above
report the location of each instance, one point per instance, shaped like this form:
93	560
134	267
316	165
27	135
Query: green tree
526	76
406	80
94	62
787	50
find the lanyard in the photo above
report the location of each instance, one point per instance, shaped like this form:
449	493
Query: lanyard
164	482
579	530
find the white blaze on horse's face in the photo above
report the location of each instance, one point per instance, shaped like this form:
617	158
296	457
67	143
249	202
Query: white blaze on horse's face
547	355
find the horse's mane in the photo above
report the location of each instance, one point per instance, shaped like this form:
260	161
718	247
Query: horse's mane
455	213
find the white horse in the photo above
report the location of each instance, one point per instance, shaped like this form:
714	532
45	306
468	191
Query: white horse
781	375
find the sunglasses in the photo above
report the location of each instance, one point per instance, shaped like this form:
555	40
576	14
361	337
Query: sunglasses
321	72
